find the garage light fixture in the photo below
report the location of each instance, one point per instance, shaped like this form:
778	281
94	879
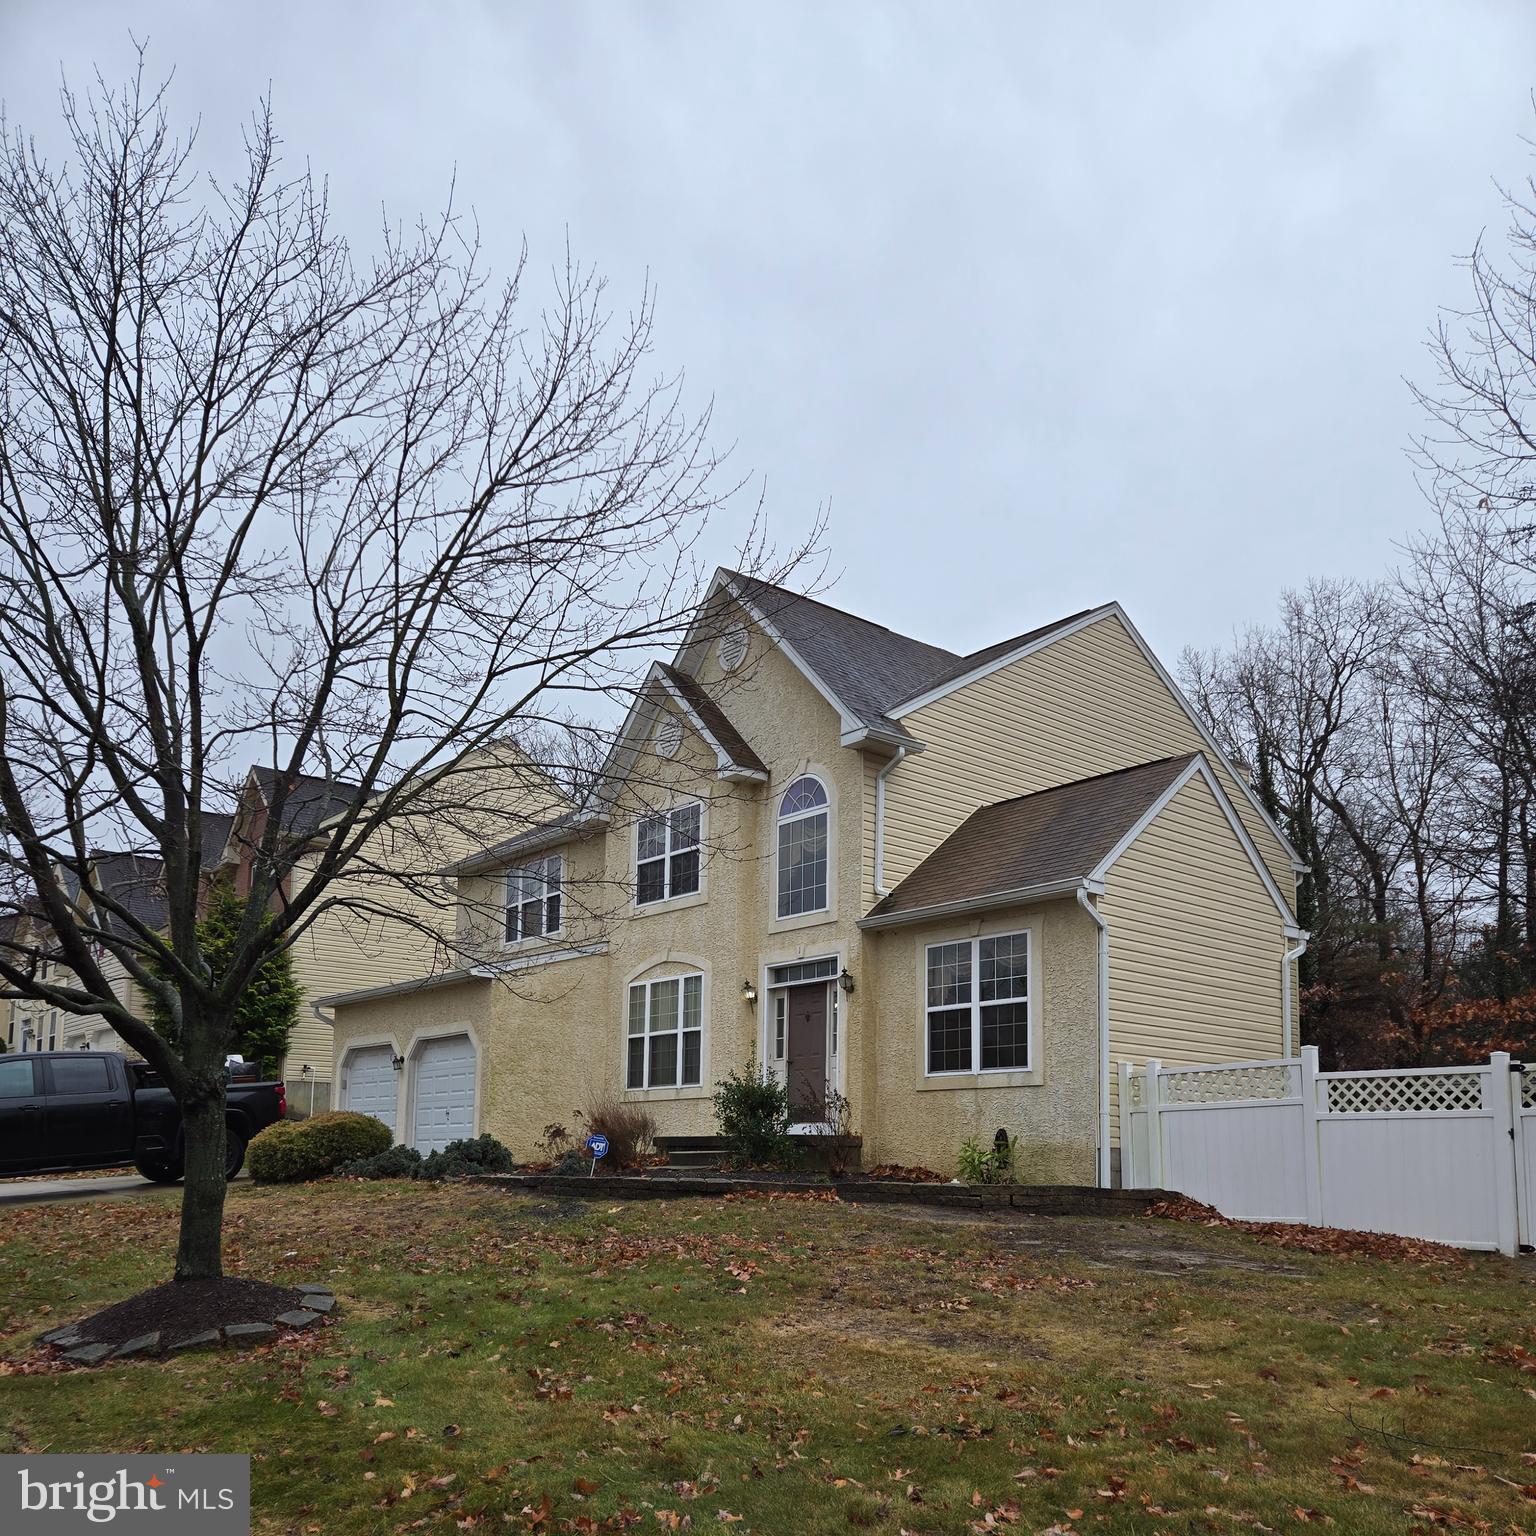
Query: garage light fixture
748	994
397	1062
845	980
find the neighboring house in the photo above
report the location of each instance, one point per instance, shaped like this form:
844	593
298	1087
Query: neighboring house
952	889
30	1025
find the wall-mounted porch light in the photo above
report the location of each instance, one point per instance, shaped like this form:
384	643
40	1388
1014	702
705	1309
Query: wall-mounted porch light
845	980
748	994
397	1062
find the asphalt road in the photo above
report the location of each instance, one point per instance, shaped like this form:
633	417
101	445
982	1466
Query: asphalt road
43	1191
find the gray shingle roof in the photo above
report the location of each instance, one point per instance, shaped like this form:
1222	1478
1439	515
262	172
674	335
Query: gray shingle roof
713	719
1055	835
872	669
310	800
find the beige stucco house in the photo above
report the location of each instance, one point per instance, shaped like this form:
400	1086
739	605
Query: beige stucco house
954	890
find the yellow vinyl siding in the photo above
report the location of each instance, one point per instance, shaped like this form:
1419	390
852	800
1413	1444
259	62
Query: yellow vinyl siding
1195	943
1085	705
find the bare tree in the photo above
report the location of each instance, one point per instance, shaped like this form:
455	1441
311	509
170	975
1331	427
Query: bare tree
264	499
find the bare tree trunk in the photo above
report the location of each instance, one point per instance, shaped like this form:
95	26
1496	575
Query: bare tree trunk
203	1190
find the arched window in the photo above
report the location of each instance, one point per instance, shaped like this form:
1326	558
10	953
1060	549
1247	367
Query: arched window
803	848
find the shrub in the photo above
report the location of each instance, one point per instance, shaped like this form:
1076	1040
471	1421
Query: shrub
986	1162
752	1112
292	1150
630	1130
483	1154
570	1164
393	1163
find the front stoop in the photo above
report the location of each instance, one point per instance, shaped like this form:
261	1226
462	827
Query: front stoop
692	1151
1026	1199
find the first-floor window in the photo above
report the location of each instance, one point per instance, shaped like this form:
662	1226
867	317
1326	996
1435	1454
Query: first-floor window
666	1033
977	1012
533	899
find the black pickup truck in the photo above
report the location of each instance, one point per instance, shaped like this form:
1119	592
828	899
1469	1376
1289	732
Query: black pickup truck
96	1109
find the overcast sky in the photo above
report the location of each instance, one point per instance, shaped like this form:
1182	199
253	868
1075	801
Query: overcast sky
1047	304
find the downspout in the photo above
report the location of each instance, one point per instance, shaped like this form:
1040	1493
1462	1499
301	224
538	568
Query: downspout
880	887
1099	923
1291	957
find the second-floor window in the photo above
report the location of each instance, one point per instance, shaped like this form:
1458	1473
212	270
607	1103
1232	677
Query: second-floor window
533	899
803	848
667	855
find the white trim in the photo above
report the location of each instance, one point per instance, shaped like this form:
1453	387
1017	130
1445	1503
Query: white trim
415	984
767	989
1092	909
370	1043
667	901
1021	896
523	871
976	1072
1064	631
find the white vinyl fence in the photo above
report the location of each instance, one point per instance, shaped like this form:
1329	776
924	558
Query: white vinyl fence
1447	1153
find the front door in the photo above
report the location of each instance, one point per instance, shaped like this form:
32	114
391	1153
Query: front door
806	1066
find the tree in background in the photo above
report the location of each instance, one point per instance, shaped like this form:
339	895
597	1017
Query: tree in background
266	1010
361	517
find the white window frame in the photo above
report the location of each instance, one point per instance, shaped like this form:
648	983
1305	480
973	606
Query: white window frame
973	943
668	854
824	810
549	875
678	1032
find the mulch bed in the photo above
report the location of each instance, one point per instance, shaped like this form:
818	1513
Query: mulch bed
181	1308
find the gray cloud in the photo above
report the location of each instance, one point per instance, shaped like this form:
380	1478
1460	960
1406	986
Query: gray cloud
1050	304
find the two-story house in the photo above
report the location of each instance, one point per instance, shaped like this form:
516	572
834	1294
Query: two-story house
952	889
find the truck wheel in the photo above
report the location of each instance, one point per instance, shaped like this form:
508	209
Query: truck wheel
160	1173
234	1152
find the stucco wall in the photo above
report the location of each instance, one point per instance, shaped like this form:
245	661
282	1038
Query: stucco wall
1050	1110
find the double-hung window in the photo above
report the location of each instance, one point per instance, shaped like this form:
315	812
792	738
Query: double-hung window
666	1033
803	848
667	855
977	1005
533	899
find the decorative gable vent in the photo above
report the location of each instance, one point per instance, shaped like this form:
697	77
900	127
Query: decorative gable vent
731	648
668	737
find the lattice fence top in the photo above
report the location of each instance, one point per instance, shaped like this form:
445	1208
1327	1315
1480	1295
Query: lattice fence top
1405	1094
1528	1088
1211	1085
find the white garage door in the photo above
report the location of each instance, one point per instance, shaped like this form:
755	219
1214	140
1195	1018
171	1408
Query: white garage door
370	1080
444	1072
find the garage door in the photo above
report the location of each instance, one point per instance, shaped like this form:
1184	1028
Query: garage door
444	1086
370	1080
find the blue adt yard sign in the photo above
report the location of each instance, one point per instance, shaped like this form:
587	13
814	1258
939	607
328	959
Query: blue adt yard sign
598	1147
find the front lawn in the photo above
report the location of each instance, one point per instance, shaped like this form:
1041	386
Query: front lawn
793	1366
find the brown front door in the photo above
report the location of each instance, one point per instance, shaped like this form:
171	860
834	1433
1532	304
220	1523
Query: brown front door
807	1063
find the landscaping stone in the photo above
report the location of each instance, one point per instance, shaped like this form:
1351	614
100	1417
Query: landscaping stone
299	1318
145	1344
88	1354
320	1301
314	1290
63	1338
249	1333
204	1340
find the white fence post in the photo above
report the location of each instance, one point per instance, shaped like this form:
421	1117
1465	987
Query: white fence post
1154	1094
1500	1094
1311	1150
1129	1172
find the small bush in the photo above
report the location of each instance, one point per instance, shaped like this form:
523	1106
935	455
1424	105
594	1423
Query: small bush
483	1154
293	1150
986	1162
571	1164
630	1130
752	1113
393	1163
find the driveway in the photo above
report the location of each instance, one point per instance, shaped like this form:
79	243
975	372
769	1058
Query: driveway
55	1191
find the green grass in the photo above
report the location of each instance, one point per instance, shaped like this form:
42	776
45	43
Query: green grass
797	1367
